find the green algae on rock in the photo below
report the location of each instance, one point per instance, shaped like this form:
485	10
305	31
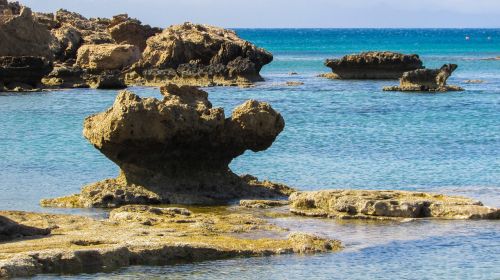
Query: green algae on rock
143	235
387	205
177	150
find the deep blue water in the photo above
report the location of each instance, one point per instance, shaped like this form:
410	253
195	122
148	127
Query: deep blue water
339	134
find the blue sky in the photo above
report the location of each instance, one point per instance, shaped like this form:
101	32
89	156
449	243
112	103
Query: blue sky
292	13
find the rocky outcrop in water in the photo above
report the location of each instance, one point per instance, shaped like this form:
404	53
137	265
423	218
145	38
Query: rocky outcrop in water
126	30
143	235
433	80
372	65
387	205
201	55
177	150
10	230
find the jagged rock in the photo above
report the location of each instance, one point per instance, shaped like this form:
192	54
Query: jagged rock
426	80
107	56
202	55
63	76
142	235
93	31
125	30
69	39
177	150
387	205
373	65
21	34
23	73
10	230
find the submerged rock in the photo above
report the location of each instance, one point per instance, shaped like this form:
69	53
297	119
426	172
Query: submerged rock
248	203
177	150
143	235
433	80
387	205
199	55
372	65
23	73
10	230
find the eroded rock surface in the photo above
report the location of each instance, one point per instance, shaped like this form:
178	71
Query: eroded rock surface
372	65
126	30
142	235
387	205
10	230
22	73
200	55
433	80
177	150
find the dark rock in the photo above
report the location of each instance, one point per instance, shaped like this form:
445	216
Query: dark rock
24	72
10	230
373	65
426	80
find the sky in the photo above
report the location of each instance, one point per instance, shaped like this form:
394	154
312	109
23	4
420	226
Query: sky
292	13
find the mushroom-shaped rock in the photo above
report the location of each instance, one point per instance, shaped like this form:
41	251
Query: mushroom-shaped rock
373	65
426	80
200	55
177	150
387	205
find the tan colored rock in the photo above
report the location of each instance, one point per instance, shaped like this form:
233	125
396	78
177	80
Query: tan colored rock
21	34
294	83
197	143
264	204
383	205
11	230
125	30
433	80
69	39
373	65
106	56
142	235
201	55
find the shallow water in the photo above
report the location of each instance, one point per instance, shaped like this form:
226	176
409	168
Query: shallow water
339	134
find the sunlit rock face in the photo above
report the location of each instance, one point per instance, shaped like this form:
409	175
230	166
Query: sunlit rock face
202	55
177	150
433	80
372	65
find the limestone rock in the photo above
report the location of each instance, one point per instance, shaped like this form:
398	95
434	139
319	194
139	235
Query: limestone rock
201	55
21	34
373	65
10	230
125	30
382	205
426	80
107	56
25	72
177	150
69	39
263	203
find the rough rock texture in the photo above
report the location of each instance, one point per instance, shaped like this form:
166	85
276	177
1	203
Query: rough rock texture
177	150
21	34
373	65
125	30
22	73
107	56
10	230
264	204
426	80
201	55
382	205
141	235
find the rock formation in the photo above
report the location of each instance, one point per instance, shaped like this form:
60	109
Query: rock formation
372	65
125	30
143	235
177	150
202	55
384	205
426	80
10	230
22	73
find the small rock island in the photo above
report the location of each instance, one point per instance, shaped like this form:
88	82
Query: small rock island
431	80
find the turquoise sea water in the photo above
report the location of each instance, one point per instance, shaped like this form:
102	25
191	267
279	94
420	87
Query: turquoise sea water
339	134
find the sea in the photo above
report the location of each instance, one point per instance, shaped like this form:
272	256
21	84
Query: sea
338	134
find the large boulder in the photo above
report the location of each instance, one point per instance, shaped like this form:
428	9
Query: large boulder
202	55
107	56
22	73
10	230
21	34
387	205
125	30
373	65
177	150
426	80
